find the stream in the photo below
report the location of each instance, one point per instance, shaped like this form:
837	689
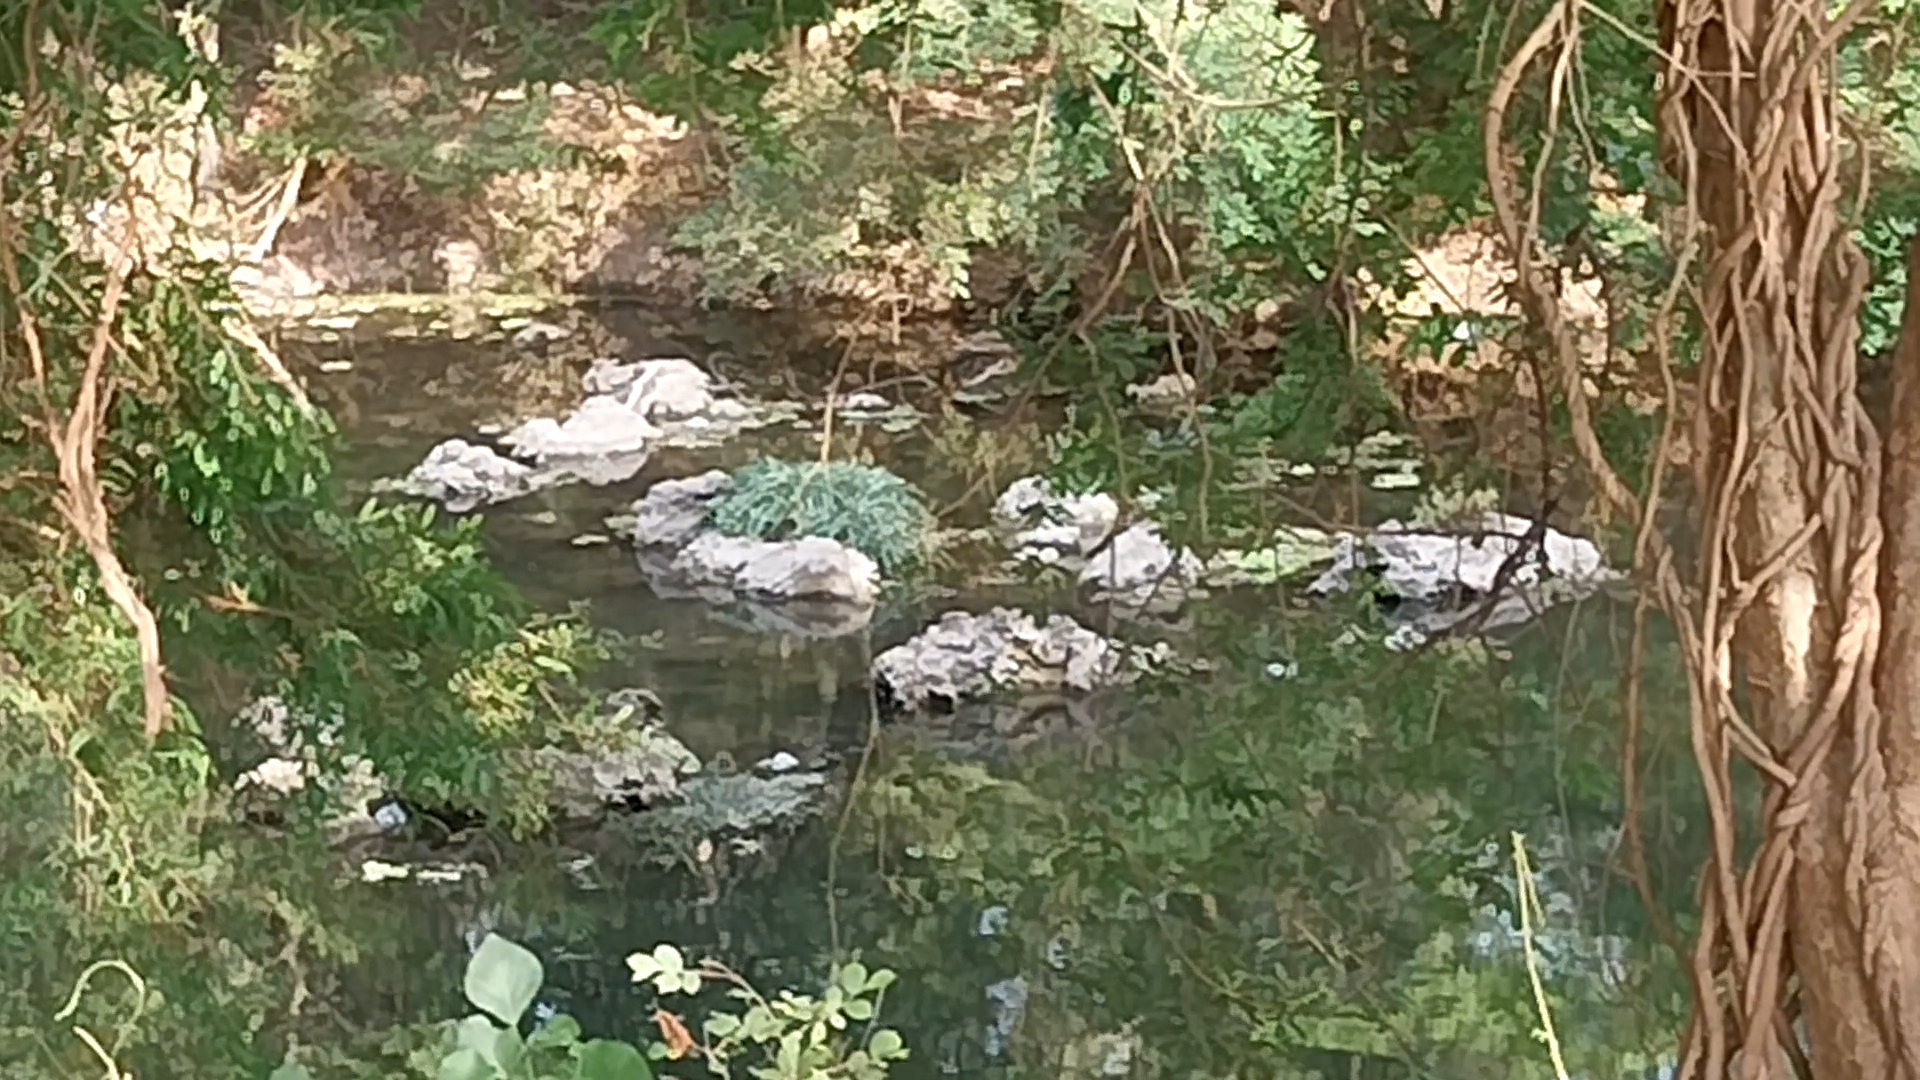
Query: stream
1319	910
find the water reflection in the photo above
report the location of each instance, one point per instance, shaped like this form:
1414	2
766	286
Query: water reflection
1297	865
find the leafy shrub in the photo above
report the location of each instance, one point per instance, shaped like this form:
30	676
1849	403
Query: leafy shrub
791	1035
866	508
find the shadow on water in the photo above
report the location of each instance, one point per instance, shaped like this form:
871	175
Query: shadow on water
1293	862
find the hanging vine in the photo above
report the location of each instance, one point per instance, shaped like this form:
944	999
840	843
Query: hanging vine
1810	940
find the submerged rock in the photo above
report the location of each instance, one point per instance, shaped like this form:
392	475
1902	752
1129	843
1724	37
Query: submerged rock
964	657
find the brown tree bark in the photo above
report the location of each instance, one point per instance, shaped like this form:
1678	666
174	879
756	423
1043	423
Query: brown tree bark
1800	617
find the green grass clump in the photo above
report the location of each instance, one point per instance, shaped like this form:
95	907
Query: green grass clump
866	508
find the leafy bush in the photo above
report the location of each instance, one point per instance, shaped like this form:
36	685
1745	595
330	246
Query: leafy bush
866	508
793	1036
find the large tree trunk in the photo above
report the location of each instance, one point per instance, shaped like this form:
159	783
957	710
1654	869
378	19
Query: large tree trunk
1801	633
1789	594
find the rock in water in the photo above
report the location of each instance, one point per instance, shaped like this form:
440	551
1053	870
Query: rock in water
1140	569
811	586
673	512
655	390
463	477
965	657
1047	527
810	568
603	426
1444	574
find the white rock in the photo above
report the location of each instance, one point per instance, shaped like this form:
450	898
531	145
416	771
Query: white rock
462	476
603	425
1446	574
1140	568
656	390
673	512
964	657
1169	391
1037	519
810	568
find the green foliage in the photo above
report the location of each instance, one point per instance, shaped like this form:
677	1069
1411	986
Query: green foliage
787	1037
205	430
1211	117
867	508
434	138
790	1036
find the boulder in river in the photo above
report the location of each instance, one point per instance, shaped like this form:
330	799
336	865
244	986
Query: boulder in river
1138	568
964	657
673	512
462	477
1442	572
1044	526
631	409
810	584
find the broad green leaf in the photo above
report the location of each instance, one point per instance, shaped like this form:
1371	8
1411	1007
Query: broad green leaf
853	977
290	1071
605	1059
886	1044
502	979
720	1025
561	1031
479	1034
465	1064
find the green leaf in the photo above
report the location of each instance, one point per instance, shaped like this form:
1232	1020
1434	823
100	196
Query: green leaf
561	1031
886	1045
477	1033
860	1009
465	1064
606	1059
880	980
290	1071
853	977
502	979
720	1025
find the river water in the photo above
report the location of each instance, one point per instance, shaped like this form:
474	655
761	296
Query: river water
1297	864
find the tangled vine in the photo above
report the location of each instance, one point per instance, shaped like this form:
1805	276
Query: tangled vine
1801	578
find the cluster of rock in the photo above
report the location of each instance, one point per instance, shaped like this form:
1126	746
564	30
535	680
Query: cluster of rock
658	787
631	409
1134	567
1446	578
965	657
809	585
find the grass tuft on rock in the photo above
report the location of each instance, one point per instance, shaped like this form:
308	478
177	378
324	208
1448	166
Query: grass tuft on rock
866	508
